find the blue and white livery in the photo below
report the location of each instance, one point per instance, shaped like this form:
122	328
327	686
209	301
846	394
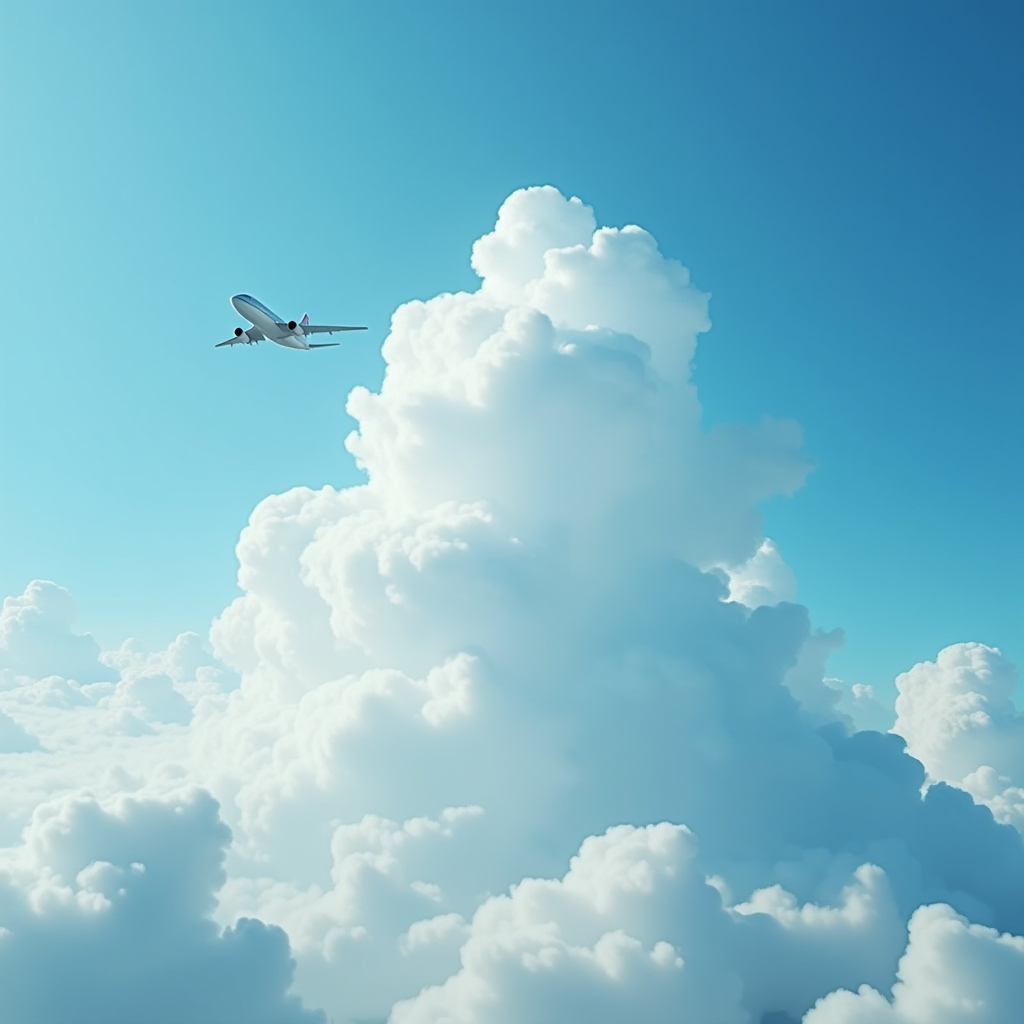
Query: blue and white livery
268	326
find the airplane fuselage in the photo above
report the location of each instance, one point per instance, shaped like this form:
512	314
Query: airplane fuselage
269	323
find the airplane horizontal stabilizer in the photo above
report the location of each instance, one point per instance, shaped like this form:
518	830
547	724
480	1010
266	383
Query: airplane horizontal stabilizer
326	344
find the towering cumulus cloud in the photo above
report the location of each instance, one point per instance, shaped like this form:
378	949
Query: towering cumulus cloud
526	728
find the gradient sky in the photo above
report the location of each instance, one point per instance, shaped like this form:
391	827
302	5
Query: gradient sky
844	180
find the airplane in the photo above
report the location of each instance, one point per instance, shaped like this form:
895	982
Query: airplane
268	326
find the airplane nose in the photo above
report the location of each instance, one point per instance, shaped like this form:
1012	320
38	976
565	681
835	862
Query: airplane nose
235	299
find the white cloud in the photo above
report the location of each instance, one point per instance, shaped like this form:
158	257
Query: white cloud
953	972
764	578
596	943
379	907
186	663
998	793
531	223
124	732
791	952
36	638
863	705
819	695
634	931
958	718
104	913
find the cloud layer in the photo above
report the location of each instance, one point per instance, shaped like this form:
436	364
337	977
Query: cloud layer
527	726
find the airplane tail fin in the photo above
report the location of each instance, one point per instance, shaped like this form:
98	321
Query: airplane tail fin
305	320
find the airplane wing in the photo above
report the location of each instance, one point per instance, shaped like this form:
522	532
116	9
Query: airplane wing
311	329
245	338
321	329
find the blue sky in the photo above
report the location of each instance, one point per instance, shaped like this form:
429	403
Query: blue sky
844	180
485	739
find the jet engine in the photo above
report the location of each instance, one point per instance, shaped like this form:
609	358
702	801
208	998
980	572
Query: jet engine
239	332
292	325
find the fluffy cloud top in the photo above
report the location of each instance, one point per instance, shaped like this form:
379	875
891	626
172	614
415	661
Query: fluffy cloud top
106	918
527	726
958	718
36	638
597	941
953	972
